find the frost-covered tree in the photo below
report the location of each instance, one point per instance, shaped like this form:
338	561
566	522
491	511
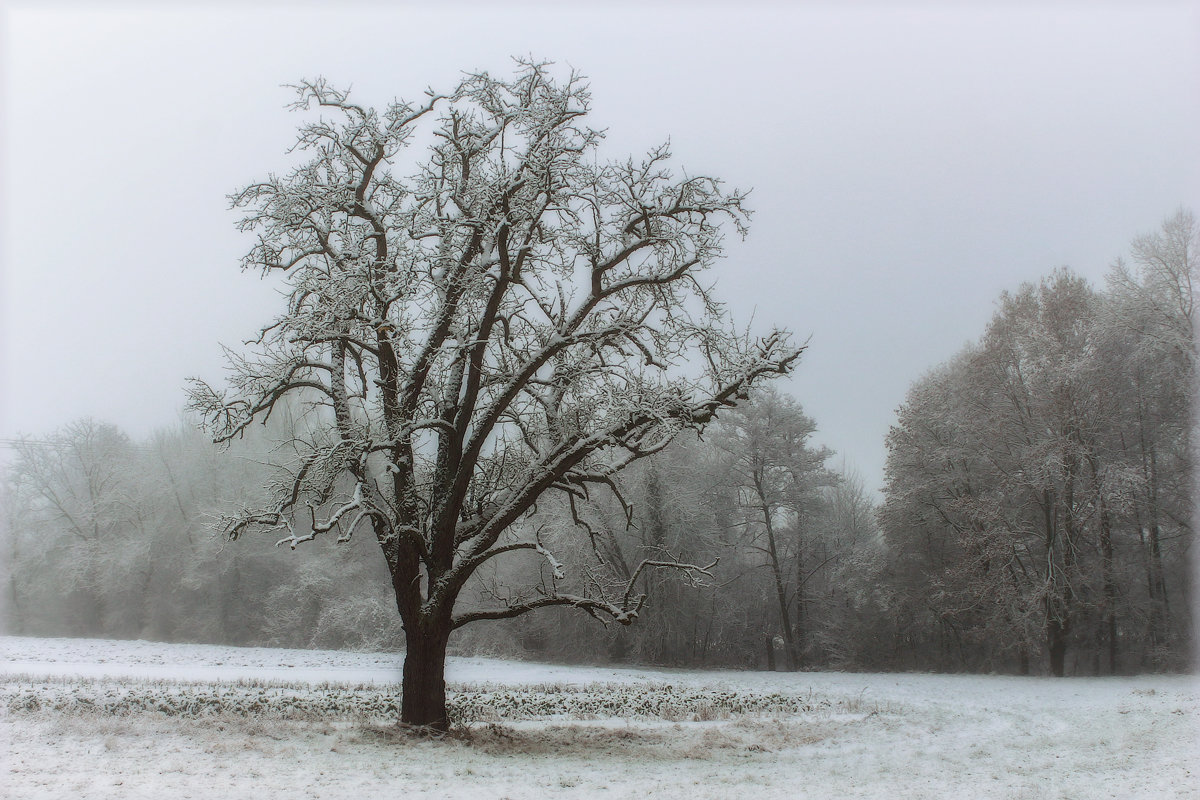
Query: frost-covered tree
500	318
72	499
1039	485
991	453
777	474
1150	331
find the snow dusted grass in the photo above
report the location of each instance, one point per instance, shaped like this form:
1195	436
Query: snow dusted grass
31	694
134	719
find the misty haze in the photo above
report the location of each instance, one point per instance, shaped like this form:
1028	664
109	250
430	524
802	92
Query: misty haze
788	401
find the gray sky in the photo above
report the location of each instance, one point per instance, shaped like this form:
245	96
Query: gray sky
908	163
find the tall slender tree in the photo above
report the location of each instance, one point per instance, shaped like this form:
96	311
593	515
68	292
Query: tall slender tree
1150	325
777	474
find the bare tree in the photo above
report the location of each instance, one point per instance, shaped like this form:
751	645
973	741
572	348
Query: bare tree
510	319
1028	477
1150	329
73	494
777	474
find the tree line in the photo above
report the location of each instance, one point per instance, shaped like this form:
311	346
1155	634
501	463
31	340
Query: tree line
112	537
1035	517
1039	486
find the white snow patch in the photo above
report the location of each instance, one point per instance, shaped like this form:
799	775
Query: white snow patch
889	736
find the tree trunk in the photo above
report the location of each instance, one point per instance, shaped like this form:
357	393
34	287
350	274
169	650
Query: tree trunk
801	623
1159	609
711	616
785	620
1110	586
15	621
424	699
1056	643
1157	584
1056	640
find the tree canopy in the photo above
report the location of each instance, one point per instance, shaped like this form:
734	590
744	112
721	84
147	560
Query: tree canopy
501	317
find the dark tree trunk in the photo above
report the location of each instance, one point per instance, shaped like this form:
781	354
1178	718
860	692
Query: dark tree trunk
424	701
1056	643
712	615
1110	587
1158	622
785	617
1159	609
1057	602
800	637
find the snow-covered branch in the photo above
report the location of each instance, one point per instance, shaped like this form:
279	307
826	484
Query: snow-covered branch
501	316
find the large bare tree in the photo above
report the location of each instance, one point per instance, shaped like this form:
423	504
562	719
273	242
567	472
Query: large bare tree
501	317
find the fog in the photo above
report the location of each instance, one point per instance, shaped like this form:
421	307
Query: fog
907	163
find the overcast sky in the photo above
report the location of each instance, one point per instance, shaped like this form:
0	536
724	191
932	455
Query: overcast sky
908	163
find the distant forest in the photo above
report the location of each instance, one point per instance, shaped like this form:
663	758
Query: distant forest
1036	518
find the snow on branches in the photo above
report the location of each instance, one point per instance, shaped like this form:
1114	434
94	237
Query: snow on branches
501	316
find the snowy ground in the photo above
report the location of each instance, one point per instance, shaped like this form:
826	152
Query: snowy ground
846	735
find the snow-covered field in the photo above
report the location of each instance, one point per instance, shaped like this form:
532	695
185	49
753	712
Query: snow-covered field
94	719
